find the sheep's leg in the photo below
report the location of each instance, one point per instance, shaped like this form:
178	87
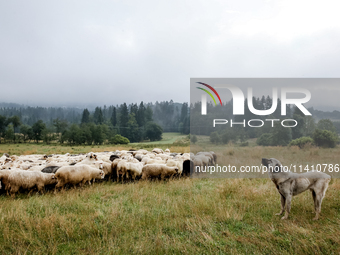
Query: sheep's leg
41	189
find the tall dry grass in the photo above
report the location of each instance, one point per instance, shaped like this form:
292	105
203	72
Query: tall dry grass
186	216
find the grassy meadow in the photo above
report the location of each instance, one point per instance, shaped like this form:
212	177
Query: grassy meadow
185	216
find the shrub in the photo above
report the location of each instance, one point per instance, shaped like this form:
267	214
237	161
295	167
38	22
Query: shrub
225	137
301	142
193	139
325	138
153	131
118	139
281	136
265	139
214	137
244	144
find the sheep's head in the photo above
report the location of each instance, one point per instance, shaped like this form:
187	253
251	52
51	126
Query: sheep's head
102	174
52	180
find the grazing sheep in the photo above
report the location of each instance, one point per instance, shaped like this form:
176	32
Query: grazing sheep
145	159
107	169
4	174
135	169
78	174
114	171
50	169
28	180
154	161
113	157
139	156
122	168
158	170
158	151
198	162
215	156
176	163
188	166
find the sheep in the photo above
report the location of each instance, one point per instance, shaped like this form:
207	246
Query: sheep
122	168
205	160
188	166
90	158
28	180
107	169
208	155
176	163
113	157
50	169
145	159
158	151
167	151
164	156
4	174
135	169
215	156
114	169
197	161
158	170
133	160
139	156
36	168
153	161
77	174
143	151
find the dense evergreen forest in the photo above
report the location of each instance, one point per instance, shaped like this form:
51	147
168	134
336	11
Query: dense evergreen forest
146	122
114	124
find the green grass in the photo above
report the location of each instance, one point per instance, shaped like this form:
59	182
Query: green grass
167	138
187	216
170	140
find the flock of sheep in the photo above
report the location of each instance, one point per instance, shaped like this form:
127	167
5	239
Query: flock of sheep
41	172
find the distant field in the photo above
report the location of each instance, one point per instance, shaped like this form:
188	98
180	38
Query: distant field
174	141
168	138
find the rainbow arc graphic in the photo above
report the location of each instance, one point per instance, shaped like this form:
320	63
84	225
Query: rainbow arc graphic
209	93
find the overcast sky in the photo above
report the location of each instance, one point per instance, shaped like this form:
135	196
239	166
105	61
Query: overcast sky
110	52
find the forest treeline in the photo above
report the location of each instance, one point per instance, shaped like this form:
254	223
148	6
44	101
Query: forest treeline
114	124
316	129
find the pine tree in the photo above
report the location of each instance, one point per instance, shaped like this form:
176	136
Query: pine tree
141	115
98	117
113	119
86	116
123	120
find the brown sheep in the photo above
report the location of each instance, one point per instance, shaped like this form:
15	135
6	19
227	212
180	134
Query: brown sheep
158	170
28	180
78	174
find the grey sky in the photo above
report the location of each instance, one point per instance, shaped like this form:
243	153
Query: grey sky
110	52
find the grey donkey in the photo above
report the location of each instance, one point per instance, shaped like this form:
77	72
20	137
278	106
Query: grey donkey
291	184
